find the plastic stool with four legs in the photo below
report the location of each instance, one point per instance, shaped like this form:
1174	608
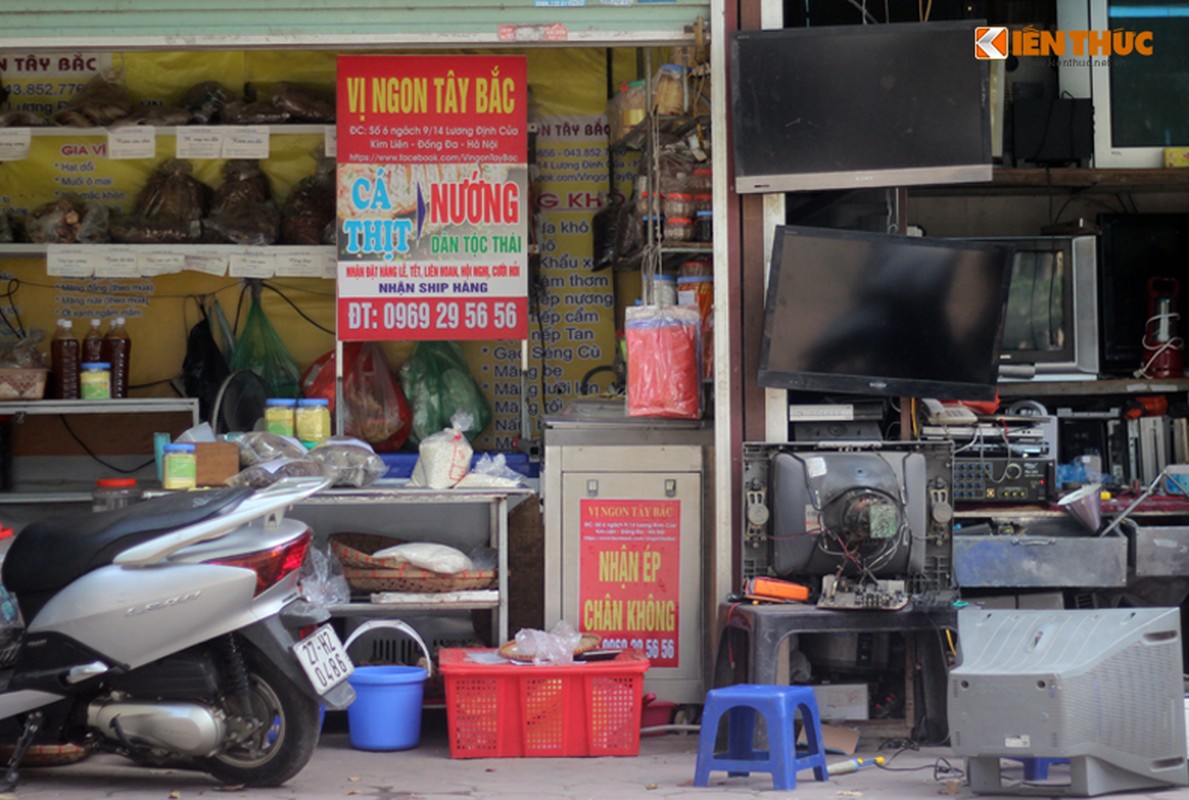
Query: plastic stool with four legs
778	705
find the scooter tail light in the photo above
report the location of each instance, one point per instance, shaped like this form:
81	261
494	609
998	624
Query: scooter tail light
272	565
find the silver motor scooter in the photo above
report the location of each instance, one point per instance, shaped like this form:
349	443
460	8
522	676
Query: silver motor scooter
173	630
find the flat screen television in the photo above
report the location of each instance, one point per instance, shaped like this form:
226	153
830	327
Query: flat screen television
1131	249
856	106
1099	687
1050	330
1138	99
879	314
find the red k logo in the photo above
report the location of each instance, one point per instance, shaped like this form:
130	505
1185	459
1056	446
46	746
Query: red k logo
990	43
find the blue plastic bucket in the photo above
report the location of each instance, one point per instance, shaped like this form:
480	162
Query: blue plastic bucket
386	713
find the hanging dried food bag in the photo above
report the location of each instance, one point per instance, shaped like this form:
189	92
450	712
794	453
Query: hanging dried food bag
307	217
102	100
260	350
205	101
68	220
304	103
242	209
664	361
168	210
439	384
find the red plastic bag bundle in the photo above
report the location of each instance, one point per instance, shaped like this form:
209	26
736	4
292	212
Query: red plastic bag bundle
664	361
376	409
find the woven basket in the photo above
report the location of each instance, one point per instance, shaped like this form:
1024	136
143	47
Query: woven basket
22	384
367	574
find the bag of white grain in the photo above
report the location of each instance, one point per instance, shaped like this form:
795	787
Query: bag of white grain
444	457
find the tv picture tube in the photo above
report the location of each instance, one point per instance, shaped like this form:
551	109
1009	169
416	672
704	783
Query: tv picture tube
858	98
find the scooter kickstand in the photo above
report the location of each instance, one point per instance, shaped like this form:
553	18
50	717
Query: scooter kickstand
11	775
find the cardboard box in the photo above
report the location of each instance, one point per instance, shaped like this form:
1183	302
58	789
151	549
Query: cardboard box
216	462
1176	157
841	701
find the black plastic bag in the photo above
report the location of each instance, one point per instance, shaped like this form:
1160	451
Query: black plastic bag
204	368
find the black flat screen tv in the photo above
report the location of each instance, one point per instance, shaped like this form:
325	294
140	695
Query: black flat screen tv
887	315
856	106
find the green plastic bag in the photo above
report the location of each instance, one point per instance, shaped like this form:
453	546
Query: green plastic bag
260	350
438	384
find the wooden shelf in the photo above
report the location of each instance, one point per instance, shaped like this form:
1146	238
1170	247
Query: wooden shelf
1034	180
1123	386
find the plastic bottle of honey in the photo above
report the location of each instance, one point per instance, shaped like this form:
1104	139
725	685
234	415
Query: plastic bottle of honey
64	361
117	351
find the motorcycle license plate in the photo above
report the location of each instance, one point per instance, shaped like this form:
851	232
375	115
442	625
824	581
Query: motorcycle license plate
323	658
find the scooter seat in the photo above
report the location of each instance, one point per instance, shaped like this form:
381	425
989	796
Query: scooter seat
51	552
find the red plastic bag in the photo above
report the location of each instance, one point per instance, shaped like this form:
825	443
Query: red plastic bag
376	409
664	361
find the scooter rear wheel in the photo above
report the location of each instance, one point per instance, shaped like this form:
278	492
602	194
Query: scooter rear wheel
284	741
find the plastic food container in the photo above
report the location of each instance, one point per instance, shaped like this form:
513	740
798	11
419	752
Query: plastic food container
704	226
279	415
664	290
95	380
678	204
112	493
679	229
694	267
312	419
668	93
181	467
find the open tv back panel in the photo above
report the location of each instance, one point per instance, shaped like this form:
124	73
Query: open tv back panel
813	510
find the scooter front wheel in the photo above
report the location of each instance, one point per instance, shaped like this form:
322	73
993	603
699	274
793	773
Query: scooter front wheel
284	731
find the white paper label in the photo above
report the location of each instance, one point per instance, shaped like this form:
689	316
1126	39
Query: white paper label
14	143
132	141
159	262
330	141
246	142
300	262
330	264
116	262
815	466
253	265
1022	741
70	260
199	141
210	263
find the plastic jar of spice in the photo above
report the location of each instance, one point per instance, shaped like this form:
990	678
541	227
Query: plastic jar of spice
664	290
643	204
279	415
656	223
701	180
693	267
704	226
95	380
110	494
678	204
181	467
703	202
679	229
312	419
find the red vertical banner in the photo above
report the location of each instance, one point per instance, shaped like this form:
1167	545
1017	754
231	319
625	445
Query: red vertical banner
630	575
432	201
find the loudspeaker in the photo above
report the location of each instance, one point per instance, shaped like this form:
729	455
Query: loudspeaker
1052	130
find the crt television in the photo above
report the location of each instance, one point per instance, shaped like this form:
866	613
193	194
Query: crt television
1138	99
1099	687
1050	329
856	106
868	313
849	511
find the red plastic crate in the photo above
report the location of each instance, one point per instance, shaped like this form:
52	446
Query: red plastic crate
513	710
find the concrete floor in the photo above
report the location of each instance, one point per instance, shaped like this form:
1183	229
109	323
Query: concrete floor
664	769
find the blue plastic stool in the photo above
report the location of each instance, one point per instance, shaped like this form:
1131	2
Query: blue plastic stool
778	705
